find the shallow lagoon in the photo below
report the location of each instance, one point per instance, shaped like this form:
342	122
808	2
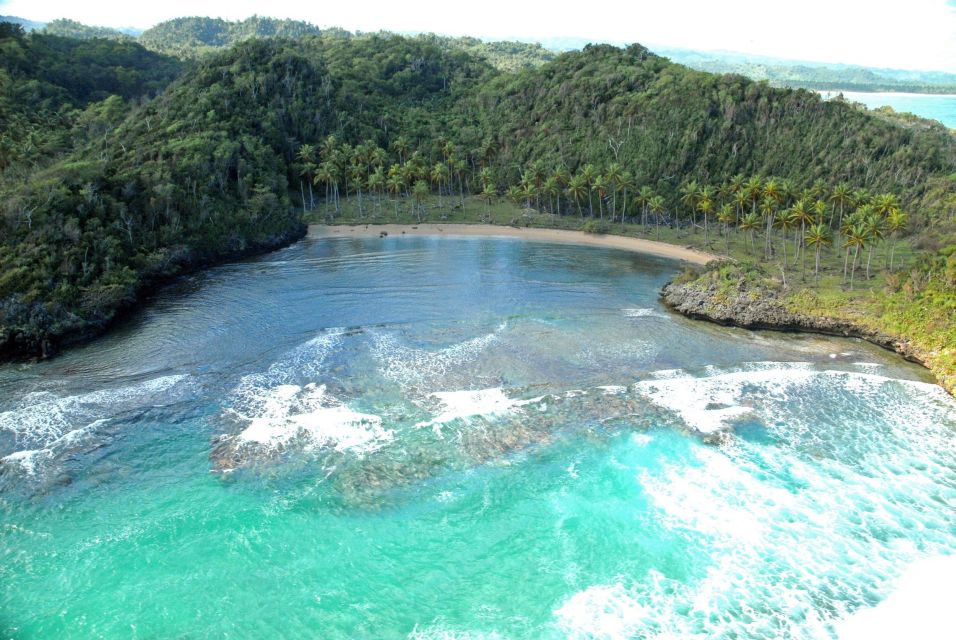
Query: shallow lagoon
438	437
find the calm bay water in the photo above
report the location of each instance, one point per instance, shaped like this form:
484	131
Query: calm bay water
936	107
464	438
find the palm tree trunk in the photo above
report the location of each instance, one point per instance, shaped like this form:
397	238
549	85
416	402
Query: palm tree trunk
856	254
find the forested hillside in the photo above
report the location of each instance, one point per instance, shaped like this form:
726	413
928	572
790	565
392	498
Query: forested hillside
669	124
194	36
108	188
73	29
202	172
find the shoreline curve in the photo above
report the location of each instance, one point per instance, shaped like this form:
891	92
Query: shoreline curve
534	234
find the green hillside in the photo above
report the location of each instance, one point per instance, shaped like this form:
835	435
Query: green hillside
195	36
112	191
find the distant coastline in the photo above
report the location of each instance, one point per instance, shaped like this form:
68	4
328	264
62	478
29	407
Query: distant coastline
883	92
934	106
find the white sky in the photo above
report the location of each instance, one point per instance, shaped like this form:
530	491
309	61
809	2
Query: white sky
904	34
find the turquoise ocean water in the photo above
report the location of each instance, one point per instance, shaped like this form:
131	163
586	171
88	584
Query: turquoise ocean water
936	107
467	438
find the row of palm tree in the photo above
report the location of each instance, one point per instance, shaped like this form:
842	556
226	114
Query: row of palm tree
784	214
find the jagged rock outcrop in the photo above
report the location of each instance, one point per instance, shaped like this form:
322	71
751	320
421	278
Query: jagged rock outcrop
752	307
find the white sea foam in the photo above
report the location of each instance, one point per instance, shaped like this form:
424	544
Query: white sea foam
419	368
286	404
919	607
287	412
613	389
717	401
438	632
602	611
793	539
458	405
704	404
739	500
29	461
41	418
643	313
304	363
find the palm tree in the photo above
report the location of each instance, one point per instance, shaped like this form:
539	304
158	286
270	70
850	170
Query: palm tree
804	217
895	223
786	221
725	215
561	178
587	174
324	175
656	206
328	148
736	184
612	177
644	197
884	203
817	236
306	158
401	145
754	190
688	195
856	238
458	166
420	192
625	183
860	197
439	176
356	173
550	188
486	177
376	185
706	206
841	197
488	194
577	189
873	228
528	187
771	189
740	199
515	194
768	207
600	186
750	223
395	185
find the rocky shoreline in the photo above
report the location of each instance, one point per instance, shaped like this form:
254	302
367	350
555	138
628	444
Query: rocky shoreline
764	308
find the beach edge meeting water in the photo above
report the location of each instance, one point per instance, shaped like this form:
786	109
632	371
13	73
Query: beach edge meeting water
749	306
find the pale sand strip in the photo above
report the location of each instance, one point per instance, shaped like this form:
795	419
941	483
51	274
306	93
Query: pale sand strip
558	236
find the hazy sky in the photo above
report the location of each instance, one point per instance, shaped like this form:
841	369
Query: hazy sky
906	34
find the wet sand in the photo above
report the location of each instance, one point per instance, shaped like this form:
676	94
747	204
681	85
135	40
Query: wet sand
559	236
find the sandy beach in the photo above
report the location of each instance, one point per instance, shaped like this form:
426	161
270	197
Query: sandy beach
559	236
